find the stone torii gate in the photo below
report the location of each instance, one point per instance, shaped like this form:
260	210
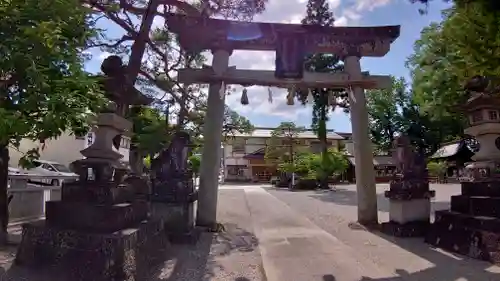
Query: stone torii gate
292	42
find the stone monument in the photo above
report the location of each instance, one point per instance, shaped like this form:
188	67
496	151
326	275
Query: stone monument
100	230
409	195
472	226
292	43
173	196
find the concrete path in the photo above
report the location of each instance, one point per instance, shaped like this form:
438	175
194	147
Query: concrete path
278	235
293	248
409	258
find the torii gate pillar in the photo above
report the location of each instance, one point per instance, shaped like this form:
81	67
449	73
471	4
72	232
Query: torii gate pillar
199	33
363	151
206	214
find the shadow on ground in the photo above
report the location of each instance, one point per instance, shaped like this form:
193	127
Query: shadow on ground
447	266
198	262
181	262
342	196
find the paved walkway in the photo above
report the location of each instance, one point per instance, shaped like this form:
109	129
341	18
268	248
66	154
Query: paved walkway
278	235
294	248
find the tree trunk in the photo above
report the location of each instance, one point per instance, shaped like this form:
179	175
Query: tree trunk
4	201
322	133
136	160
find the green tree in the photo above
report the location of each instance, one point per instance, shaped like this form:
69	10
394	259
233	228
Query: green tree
318	13
44	90
437	169
195	164
446	56
151	134
385	114
488	5
283	144
312	166
449	53
395	111
335	165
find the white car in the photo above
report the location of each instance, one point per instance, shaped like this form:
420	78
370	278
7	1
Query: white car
50	168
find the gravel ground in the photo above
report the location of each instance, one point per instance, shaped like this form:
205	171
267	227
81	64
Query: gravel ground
411	259
229	256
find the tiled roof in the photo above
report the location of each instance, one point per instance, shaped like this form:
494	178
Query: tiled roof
259	153
447	150
266	133
377	161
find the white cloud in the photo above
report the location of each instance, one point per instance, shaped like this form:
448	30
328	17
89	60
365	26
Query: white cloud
286	11
342	21
352	13
103	55
369	5
348	12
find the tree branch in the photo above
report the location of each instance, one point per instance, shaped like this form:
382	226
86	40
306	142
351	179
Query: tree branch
114	45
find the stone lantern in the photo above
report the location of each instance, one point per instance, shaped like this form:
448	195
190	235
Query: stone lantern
483	115
472	226
101	229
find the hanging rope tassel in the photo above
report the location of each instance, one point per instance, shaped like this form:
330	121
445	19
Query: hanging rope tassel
270	95
244	97
310	98
351	93
330	98
222	90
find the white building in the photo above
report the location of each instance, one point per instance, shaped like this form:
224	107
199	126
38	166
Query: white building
64	149
243	155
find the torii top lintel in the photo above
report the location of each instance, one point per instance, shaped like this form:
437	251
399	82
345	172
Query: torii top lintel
199	33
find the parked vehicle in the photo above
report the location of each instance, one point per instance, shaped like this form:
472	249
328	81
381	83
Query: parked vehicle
50	168
274	180
13	171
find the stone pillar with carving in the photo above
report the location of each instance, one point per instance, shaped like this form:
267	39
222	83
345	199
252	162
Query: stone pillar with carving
101	228
472	226
409	195
173	195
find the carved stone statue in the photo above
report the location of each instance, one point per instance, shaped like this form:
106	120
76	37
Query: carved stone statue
409	194
172	176
174	160
173	193
409	164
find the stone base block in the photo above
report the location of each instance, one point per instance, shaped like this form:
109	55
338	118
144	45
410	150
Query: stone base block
95	218
188	237
403	212
484	188
477	244
409	194
125	255
409	229
96	192
179	221
476	205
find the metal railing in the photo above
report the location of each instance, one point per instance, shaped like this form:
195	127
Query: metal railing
28	199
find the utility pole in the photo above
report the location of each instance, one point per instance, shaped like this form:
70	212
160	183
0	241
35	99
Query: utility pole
291	151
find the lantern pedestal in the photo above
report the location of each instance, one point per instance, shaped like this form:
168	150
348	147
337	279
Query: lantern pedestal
472	226
409	208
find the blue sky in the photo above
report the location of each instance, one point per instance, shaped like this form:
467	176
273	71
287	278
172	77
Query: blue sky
348	12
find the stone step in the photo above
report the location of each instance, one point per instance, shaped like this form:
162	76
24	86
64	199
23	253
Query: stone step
476	205
450	219
128	254
95	218
458	238
488	188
